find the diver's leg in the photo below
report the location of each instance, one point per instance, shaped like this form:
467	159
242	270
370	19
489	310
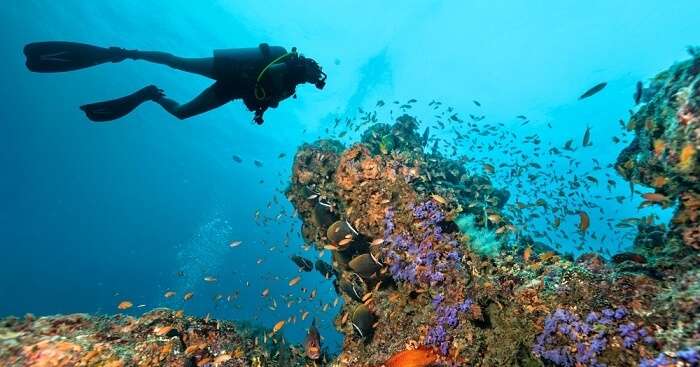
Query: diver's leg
206	101
198	65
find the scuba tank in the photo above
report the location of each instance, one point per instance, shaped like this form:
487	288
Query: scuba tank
241	66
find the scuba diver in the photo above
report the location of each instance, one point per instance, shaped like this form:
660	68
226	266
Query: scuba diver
262	77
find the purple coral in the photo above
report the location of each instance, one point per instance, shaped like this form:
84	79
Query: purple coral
438	336
447	317
565	332
423	258
428	212
689	357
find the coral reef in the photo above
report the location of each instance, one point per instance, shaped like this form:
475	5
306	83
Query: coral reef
663	154
161	337
426	256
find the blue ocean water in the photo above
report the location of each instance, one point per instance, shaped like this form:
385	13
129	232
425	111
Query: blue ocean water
93	214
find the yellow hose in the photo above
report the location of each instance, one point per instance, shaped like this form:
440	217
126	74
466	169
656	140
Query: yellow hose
258	88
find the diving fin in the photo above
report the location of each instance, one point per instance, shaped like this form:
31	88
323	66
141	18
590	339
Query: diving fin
58	56
120	107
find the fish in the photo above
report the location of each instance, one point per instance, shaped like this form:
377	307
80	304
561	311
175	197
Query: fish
278	326
527	254
652	197
439	199
125	305
639	89
421	357
344	242
162	330
477	103
236	158
584	222
188	296
265	292
257	163
567	145
294	281
235	244
659	147
312	342
169	294
380	103
595	89
587	137
659	181
324	268
303	263
210	279
686	157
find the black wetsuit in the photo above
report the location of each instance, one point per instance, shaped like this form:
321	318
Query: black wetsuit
237	71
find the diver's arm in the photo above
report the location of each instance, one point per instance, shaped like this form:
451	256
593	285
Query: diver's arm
257	106
258	117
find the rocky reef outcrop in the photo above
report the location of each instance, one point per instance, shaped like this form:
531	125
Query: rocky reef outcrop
425	256
161	337
664	153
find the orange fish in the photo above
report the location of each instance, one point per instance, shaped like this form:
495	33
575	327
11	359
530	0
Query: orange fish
686	157
294	281
655	198
312	343
421	357
527	253
659	147
584	223
124	305
278	326
659	181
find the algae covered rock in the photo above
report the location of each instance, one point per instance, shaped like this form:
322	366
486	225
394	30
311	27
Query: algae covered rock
664	153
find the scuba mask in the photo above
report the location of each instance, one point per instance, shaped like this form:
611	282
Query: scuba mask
307	70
